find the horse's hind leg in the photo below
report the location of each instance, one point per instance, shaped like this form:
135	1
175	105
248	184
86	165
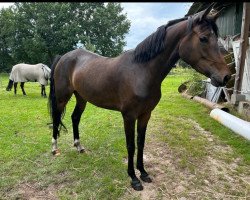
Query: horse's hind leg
76	116
43	93
57	113
15	86
141	130
22	87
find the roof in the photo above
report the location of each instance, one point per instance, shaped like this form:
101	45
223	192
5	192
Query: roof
199	6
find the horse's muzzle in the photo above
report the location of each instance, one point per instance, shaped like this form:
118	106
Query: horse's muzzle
218	82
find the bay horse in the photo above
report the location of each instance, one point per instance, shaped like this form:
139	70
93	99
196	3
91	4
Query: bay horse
131	82
21	73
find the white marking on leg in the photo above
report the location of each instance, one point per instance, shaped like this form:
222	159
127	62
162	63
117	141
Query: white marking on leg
54	145
78	146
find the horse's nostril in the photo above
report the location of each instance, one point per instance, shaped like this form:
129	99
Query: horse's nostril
226	79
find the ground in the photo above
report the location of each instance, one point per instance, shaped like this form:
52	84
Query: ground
187	153
216	176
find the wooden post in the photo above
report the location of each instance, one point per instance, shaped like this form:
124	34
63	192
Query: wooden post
243	47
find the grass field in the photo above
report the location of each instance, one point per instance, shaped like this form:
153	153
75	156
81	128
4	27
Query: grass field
187	153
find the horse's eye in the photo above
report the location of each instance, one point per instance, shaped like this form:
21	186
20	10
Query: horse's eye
203	39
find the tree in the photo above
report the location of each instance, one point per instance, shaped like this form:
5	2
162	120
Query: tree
107	34
6	35
39	31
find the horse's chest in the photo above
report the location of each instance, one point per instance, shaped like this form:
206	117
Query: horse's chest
148	100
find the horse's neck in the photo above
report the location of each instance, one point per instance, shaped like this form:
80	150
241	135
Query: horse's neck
165	61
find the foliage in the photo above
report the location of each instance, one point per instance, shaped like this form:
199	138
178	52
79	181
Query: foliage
36	32
196	86
6	35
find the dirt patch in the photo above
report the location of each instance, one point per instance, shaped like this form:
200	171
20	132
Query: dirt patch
31	192
218	175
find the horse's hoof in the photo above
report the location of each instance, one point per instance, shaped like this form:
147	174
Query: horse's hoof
81	150
56	152
146	178
136	185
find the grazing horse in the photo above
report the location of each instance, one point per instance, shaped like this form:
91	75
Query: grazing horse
131	82
29	73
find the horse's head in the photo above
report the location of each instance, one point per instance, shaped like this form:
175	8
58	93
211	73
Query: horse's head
200	48
9	86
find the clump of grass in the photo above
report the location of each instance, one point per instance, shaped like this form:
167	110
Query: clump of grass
196	85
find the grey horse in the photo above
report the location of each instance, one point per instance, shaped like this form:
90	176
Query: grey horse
22	73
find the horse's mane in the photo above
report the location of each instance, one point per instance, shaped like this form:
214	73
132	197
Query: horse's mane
154	43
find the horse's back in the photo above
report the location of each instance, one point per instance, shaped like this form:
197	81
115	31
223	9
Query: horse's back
74	61
79	56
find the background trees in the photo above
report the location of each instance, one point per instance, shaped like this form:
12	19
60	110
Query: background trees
36	32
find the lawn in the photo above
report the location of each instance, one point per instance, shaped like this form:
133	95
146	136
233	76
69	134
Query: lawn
187	153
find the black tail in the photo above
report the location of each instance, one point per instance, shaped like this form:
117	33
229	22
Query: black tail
10	85
52	105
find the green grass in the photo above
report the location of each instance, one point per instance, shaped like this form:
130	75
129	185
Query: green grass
174	107
100	173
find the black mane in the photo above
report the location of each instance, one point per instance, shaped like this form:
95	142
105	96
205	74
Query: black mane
154	43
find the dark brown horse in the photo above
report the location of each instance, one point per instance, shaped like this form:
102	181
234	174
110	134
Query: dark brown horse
131	82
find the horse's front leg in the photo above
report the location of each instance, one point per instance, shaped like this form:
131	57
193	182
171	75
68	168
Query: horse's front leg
129	126
141	130
22	87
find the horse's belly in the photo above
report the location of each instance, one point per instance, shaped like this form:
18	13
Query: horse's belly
98	92
103	101
106	106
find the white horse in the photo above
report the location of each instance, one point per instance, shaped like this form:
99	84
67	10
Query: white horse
22	73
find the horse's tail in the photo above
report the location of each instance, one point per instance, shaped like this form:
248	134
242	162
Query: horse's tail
10	85
52	104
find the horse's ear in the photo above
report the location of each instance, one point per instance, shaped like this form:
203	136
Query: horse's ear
203	14
215	16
